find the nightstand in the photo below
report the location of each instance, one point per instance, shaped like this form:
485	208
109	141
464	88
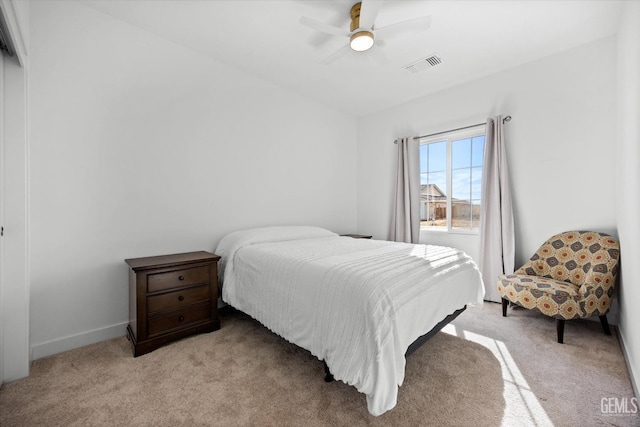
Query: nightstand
171	297
357	236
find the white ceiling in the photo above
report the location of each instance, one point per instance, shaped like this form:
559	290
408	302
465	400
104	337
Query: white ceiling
473	38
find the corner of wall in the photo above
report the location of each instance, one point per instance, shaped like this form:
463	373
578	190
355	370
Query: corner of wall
633	373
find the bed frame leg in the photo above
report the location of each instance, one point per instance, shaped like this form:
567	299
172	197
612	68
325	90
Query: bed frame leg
328	377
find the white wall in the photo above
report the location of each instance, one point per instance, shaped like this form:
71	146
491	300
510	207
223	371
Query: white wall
559	145
628	189
140	147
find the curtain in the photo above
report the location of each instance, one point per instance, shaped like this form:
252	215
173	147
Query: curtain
405	223
497	242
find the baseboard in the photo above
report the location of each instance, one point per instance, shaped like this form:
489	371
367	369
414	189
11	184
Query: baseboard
633	375
48	348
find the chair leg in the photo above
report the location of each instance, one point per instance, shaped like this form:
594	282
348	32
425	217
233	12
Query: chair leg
560	328
505	304
605	324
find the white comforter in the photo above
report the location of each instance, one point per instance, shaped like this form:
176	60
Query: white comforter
357	304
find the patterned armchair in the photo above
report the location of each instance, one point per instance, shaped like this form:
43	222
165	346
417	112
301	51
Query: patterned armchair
571	276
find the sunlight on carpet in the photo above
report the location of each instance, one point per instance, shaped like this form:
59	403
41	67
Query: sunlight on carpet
521	405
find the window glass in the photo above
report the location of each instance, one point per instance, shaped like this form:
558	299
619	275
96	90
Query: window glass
461	153
477	150
437	156
451	181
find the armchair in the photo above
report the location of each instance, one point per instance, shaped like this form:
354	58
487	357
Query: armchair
572	275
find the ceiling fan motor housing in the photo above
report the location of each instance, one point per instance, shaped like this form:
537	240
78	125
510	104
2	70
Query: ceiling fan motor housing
355	16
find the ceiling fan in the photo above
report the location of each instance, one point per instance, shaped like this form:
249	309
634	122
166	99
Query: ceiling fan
363	34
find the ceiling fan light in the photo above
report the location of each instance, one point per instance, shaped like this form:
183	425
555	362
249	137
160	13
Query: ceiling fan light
361	41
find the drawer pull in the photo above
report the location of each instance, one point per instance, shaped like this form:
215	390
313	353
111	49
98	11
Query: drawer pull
181	318
181	298
181	278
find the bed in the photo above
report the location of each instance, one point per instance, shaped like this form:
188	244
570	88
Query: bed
359	305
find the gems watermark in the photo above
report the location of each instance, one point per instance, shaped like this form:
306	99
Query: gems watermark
619	405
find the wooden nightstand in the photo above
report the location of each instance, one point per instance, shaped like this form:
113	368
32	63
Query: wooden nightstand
171	297
357	236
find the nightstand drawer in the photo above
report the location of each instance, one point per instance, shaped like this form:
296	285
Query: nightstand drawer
178	319
176	299
178	278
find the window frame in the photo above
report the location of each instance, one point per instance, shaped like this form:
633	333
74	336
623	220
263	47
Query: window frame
449	137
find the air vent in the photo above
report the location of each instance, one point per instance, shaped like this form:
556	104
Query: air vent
423	64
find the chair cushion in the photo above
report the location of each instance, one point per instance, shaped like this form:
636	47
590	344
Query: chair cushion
554	298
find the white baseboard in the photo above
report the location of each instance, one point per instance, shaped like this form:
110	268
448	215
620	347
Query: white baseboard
633	375
48	348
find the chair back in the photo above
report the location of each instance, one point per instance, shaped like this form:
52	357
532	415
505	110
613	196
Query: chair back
575	257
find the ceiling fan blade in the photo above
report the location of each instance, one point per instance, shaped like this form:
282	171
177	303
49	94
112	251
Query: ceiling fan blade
416	24
322	27
336	55
369	12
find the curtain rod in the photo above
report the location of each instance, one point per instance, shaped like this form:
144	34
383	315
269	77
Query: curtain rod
505	120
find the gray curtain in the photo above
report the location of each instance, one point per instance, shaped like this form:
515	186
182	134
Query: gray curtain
405	223
497	242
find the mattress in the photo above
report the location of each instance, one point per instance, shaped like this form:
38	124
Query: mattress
357	304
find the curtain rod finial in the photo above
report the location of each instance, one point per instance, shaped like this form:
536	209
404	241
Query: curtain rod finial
506	119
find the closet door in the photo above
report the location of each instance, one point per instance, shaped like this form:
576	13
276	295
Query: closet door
14	192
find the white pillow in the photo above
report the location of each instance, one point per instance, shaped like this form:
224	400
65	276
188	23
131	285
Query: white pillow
236	240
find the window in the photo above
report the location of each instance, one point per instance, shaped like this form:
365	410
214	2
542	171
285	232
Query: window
451	181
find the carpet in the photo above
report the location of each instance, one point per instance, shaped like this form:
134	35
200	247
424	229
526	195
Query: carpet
482	370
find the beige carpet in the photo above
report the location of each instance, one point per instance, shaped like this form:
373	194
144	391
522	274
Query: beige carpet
483	371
